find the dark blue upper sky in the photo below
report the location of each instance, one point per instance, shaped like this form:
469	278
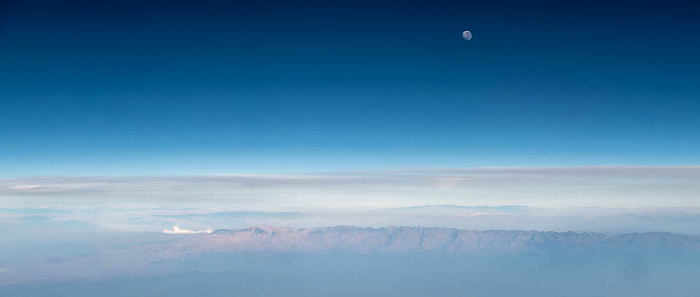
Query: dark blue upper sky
129	87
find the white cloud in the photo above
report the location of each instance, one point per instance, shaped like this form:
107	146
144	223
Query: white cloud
177	230
25	188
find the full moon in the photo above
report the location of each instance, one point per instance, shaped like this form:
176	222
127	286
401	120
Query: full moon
467	35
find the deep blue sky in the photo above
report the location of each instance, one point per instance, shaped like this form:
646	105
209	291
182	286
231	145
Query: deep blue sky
114	88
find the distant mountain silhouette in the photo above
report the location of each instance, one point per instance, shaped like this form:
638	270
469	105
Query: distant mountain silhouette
427	240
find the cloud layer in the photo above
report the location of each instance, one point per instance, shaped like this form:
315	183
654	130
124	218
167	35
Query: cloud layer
610	199
602	186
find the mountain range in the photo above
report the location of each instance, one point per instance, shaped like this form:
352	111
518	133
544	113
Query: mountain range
426	240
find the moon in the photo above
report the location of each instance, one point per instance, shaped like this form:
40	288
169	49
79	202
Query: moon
467	35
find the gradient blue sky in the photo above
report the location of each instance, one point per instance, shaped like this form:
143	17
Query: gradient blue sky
131	88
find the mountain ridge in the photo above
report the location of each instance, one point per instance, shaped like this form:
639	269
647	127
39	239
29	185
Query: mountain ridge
404	239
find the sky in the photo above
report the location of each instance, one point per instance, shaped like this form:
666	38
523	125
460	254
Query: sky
133	132
124	88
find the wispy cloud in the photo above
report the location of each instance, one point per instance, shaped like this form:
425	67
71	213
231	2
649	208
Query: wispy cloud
24	188
597	186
